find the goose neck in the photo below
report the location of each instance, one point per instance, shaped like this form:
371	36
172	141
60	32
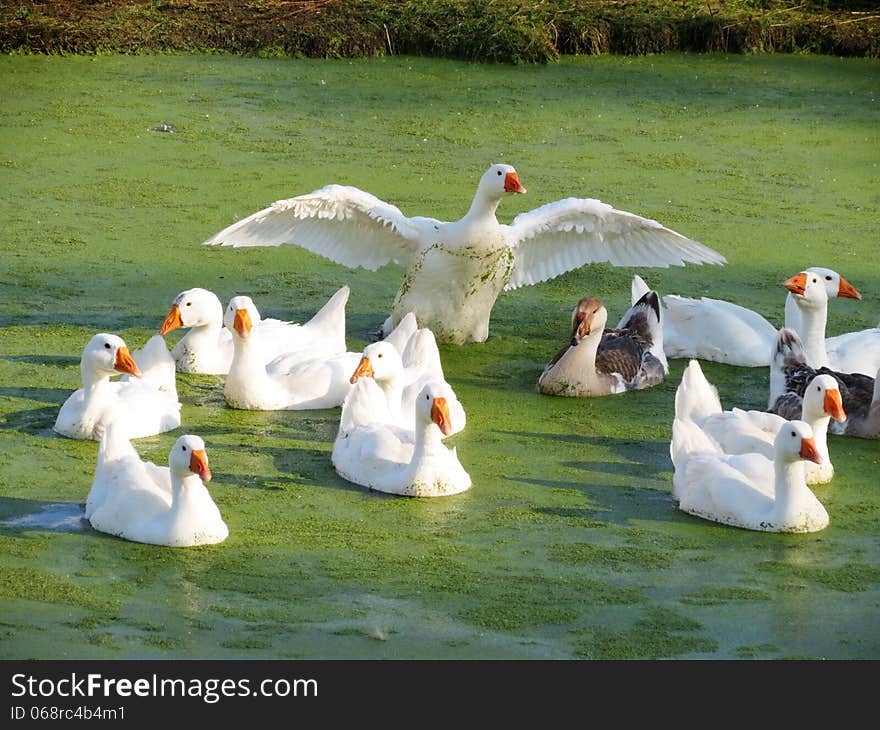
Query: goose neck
820	435
183	490
428	439
788	475
93	380
207	332
483	206
393	390
813	320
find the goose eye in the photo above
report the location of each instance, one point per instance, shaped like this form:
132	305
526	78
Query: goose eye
499	173
379	355
183	447
189	304
427	397
814	281
827	278
107	345
818	388
793	433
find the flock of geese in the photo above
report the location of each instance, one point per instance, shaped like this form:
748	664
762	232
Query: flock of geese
745	468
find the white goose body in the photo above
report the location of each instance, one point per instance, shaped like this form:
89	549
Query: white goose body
287	382
749	490
721	331
207	348
456	270
742	432
601	361
386	458
147	405
142	502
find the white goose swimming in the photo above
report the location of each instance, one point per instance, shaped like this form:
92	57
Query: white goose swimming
207	347
142	502
853	352
601	361
287	382
386	458
147	405
747	490
721	331
742	432
790	376
456	270
402	384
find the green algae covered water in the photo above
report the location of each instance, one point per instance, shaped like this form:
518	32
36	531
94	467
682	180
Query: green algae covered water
568	545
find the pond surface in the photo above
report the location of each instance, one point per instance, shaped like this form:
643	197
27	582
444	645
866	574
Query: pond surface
568	545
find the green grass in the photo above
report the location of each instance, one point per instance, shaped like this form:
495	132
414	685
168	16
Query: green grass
568	544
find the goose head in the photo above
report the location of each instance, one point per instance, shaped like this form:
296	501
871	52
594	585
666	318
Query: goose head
808	290
188	457
822	398
795	441
835	284
380	361
498	181
193	308
108	355
241	316
588	319
432	407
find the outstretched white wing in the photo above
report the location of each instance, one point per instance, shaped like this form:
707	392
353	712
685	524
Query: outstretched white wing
341	223
561	236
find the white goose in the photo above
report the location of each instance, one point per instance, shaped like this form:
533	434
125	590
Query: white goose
748	490
386	458
287	382
601	361
402	384
147	405
721	331
853	352
142	502
742	432
456	270
207	347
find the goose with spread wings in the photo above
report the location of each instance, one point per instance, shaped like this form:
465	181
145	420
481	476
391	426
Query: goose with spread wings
456	270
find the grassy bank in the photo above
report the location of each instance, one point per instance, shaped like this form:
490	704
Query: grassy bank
486	30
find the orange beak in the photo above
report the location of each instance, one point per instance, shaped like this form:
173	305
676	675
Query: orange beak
172	321
242	323
833	405
198	464
512	183
125	363
797	284
809	452
363	370
440	415
584	323
847	290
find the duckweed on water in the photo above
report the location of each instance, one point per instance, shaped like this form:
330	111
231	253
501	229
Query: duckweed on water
624	558
659	634
850	577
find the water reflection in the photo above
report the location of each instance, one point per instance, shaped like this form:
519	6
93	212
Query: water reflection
59	516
